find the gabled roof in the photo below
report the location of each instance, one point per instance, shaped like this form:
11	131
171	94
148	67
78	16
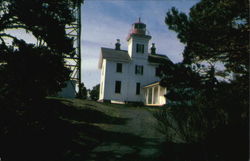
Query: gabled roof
112	54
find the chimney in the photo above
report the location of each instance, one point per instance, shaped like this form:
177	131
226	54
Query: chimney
117	45
153	49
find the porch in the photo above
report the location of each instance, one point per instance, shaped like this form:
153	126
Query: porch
154	94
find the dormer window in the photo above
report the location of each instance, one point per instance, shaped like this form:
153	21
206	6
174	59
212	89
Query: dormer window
139	48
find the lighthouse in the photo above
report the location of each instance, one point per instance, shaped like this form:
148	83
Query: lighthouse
131	75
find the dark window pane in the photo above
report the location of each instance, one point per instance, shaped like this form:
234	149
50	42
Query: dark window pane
157	72
141	26
119	67
138	86
117	86
139	48
139	69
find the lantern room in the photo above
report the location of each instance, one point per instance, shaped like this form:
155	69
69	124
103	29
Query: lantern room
138	29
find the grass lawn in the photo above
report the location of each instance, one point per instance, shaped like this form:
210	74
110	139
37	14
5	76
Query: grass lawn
74	129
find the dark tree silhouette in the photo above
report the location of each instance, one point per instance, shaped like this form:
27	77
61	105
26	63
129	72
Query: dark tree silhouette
202	110
214	31
83	93
31	71
34	70
94	93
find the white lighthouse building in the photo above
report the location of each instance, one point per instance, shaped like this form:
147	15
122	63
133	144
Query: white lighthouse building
132	75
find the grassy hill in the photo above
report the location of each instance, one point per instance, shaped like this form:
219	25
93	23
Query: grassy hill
74	129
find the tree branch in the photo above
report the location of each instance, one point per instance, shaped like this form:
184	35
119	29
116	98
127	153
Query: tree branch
7	35
15	26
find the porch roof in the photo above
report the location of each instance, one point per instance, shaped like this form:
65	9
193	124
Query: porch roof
152	84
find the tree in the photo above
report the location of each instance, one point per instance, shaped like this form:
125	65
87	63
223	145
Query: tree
33	71
202	109
94	93
216	31
83	92
46	20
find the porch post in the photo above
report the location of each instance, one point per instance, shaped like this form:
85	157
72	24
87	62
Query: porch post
153	92
146	96
159	93
165	98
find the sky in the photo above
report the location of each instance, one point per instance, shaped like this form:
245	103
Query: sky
104	21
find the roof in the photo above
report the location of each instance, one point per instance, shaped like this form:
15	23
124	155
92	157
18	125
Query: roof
112	54
158	58
123	56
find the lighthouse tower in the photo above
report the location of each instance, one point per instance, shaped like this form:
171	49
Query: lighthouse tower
138	39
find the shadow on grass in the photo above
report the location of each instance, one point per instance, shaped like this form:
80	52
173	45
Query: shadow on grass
85	114
53	131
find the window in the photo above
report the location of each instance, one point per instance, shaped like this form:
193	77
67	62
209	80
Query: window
139	69
157	72
138	88
119	67
139	48
118	86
